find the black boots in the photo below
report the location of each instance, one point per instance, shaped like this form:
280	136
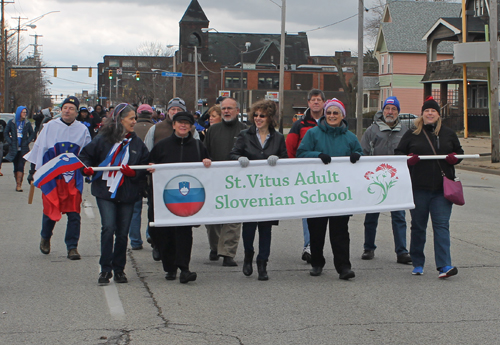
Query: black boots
247	264
261	268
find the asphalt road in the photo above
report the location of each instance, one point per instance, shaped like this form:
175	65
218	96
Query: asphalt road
48	299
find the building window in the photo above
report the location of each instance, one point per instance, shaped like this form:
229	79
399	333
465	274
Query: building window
114	63
194	40
388	63
305	80
157	64
268	81
331	82
232	80
144	64
127	63
365	101
382	65
206	83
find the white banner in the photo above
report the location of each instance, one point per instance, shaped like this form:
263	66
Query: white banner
189	193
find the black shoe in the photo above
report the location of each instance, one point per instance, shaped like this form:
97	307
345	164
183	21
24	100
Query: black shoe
104	277
139	247
187	276
247	264
156	254
171	275
404	259
346	274
262	270
316	271
120	277
229	261
45	246
368	255
149	240
213	256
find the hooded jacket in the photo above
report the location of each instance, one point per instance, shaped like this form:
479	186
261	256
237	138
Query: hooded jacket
381	139
298	131
333	141
10	134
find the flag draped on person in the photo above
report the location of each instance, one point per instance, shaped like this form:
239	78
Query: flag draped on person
61	164
61	193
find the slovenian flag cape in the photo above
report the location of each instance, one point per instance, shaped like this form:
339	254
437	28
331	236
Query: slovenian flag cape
63	193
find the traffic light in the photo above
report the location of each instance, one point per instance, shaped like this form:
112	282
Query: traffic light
137	75
13	73
55	72
110	74
90	72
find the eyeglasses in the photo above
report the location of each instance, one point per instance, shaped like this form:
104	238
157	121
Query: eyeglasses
177	99
332	113
228	108
260	115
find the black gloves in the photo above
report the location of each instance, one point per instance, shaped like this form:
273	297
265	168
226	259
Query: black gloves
354	157
30	176
325	158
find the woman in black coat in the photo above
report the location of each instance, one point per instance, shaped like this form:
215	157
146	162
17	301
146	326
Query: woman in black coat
260	141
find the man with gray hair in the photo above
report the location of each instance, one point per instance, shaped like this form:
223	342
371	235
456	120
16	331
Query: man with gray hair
219	140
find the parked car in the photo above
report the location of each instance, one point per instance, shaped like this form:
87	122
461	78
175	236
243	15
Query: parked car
6	117
408	119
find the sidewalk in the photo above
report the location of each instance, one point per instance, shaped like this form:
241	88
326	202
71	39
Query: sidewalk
482	146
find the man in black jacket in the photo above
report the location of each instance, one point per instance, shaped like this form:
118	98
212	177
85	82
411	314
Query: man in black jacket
220	139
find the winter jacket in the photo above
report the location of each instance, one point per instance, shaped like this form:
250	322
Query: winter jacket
95	152
3	126
221	137
177	150
381	139
426	174
333	141
298	131
142	127
89	122
248	145
10	134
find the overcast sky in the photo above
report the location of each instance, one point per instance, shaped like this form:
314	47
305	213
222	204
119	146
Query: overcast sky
86	30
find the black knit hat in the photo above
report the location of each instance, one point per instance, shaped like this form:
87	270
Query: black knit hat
431	103
73	100
183	115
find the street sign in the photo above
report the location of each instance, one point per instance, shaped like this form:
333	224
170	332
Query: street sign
171	74
224	93
119	71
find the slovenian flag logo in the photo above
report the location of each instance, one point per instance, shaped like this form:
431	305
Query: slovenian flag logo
56	166
184	195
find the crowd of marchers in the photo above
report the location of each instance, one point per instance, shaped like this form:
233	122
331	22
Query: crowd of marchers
129	135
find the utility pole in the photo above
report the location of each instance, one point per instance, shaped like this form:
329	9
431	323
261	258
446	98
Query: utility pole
281	94
359	103
195	78
18	29
495	153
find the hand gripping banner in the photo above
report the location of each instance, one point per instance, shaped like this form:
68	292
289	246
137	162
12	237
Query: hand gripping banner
190	194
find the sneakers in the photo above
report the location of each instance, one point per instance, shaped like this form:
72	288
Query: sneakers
418	271
306	254
368	254
45	246
447	271
104	277
73	254
404	259
120	278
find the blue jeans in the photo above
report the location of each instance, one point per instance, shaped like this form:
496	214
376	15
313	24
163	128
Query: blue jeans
305	227
248	235
72	229
135	226
433	203
398	231
115	220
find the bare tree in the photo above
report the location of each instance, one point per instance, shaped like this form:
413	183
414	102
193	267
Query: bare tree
150	48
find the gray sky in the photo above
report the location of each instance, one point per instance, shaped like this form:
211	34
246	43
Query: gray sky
86	30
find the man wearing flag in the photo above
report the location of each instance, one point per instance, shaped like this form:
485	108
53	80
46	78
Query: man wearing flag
61	193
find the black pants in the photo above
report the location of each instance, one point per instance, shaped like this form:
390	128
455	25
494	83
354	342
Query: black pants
339	240
174	244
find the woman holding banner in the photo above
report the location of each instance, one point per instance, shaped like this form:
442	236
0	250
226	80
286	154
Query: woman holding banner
115	191
260	141
330	138
430	137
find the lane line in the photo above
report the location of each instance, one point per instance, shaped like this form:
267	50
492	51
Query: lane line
87	208
114	303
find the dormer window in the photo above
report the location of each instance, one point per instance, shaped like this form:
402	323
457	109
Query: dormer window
479	8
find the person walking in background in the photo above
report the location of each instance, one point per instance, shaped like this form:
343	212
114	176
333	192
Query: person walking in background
19	134
115	193
315	102
215	116
381	138
331	138
88	120
219	141
431	137
260	141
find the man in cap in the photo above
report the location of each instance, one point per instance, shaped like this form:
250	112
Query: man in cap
63	194
381	138
220	139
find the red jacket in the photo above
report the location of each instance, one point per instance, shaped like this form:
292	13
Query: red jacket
297	132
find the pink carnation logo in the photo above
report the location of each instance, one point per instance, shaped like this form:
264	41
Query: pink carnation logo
383	179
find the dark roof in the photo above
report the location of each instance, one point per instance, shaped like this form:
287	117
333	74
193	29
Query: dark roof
410	22
474	24
194	13
225	48
445	70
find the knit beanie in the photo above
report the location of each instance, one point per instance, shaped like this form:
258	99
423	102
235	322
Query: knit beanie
431	103
392	100
73	100
177	102
335	103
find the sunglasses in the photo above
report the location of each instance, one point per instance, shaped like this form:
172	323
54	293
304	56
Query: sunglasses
332	113
260	115
177	99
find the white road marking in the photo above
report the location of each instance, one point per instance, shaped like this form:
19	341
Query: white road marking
87	208
113	299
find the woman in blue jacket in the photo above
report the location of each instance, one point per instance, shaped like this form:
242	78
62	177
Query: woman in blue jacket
330	138
116	192
18	134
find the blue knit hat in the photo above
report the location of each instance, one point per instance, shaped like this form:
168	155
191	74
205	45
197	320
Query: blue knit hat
392	100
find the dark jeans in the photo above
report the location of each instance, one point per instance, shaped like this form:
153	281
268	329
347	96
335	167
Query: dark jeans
398	231
135	226
248	235
72	229
115	220
433	203
18	162
175	244
339	240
